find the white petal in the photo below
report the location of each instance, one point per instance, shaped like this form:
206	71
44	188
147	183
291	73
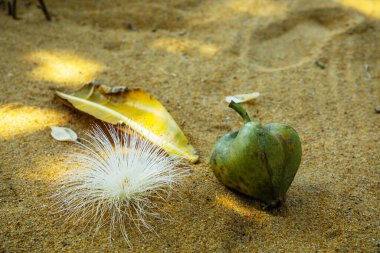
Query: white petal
242	98
63	134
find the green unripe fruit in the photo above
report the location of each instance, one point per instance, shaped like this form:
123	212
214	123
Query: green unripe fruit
258	160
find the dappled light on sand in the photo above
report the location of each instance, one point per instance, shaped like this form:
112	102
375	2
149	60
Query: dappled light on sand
48	168
173	45
221	11
17	119
63	67
256	8
243	209
370	8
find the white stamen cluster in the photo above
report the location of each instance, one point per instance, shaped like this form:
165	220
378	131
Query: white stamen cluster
116	179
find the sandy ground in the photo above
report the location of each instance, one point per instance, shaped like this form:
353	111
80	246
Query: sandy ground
190	54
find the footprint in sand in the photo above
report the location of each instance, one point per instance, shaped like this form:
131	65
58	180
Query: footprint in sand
297	39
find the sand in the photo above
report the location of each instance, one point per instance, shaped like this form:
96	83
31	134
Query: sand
190	54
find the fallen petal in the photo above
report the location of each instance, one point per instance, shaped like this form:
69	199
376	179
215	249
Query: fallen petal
242	98
63	134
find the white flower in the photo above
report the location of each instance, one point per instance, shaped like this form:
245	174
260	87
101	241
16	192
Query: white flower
116	179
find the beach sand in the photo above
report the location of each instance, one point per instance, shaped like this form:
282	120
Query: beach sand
190	54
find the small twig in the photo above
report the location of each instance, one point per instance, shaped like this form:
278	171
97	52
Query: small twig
44	9
14	5
366	69
320	64
9	4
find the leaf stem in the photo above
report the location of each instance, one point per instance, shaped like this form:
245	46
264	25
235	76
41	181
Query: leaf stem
240	110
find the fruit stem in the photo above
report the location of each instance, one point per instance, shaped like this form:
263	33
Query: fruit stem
240	110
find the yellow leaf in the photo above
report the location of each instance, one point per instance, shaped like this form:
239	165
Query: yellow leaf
137	109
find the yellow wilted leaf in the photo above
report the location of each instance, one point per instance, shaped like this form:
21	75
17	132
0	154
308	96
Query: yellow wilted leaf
137	109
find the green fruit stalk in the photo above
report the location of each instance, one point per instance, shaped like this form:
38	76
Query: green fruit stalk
258	160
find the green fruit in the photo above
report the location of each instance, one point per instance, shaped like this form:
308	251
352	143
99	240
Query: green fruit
258	160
